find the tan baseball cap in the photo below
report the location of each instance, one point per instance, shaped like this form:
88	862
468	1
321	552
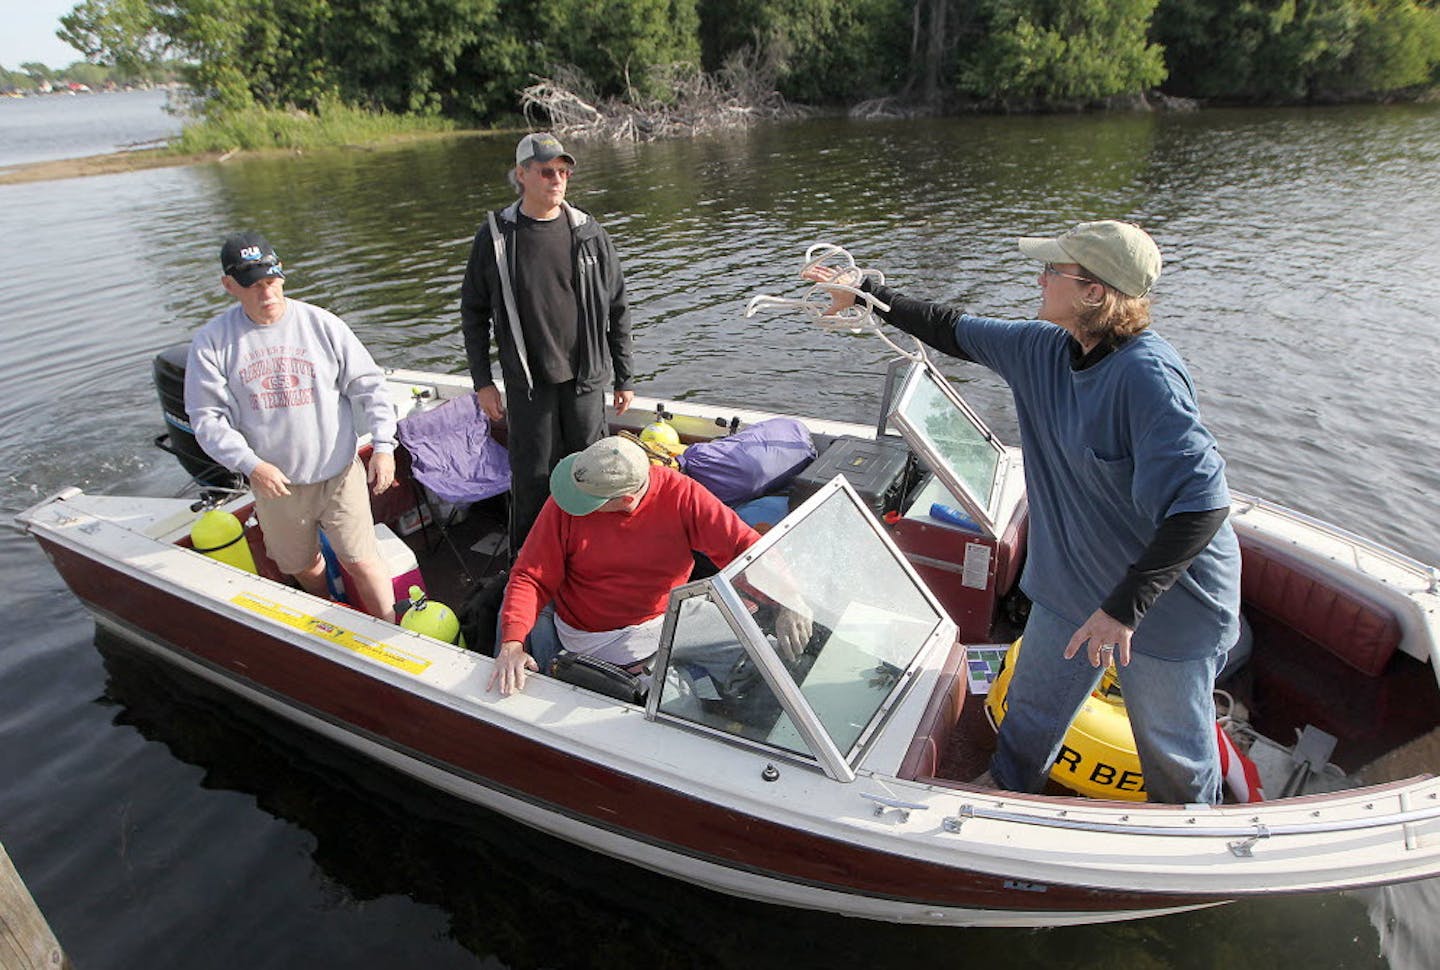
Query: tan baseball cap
1119	254
609	468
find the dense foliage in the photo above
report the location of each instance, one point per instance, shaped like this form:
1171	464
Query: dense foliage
1298	50
466	59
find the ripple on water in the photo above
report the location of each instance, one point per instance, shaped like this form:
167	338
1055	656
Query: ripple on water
1301	283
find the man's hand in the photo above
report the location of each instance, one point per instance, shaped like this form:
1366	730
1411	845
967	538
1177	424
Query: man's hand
1107	638
622	401
511	665
490	403
792	631
382	471
267	481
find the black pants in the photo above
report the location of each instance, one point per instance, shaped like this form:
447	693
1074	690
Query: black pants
547	424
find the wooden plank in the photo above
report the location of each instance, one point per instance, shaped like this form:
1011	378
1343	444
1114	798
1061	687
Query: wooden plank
26	942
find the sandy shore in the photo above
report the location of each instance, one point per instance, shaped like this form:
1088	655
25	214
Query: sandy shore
111	164
135	161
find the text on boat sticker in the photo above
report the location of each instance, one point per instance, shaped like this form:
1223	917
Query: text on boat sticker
337	635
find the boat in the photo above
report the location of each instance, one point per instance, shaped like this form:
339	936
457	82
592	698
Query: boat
840	782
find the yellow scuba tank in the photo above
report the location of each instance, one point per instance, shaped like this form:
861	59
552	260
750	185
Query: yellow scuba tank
220	535
660	436
431	618
1097	758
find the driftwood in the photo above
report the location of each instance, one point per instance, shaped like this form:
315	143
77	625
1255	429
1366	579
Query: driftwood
693	103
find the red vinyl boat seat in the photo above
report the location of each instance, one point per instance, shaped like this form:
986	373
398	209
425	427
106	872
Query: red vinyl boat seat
932	735
1361	632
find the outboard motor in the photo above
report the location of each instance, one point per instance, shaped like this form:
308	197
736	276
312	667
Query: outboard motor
179	438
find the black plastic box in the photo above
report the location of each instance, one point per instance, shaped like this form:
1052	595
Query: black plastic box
876	468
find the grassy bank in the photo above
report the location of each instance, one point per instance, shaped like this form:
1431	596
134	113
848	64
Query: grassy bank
334	124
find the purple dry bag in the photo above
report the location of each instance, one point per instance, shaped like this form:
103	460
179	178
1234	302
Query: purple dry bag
761	459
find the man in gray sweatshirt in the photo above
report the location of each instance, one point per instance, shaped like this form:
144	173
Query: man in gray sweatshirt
271	385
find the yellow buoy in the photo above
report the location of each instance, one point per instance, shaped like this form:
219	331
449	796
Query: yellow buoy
220	535
1097	758
431	618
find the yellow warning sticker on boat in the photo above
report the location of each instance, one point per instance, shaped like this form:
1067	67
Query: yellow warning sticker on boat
334	633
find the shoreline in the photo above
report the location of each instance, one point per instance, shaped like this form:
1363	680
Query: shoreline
108	164
138	160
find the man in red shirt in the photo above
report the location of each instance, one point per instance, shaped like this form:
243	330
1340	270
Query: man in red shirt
613	539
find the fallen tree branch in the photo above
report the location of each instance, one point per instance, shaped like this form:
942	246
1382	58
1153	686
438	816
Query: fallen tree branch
693	103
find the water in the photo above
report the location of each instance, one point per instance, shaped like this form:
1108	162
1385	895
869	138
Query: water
160	824
44	128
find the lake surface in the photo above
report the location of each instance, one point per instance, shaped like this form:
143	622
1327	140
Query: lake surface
160	824
49	127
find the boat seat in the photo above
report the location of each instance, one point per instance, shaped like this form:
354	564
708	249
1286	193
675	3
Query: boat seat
932	735
1011	549
1359	631
457	462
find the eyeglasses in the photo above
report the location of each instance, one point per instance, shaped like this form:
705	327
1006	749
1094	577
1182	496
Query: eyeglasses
1050	270
555	171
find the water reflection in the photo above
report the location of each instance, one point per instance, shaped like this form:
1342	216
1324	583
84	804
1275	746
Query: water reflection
458	882
1404	918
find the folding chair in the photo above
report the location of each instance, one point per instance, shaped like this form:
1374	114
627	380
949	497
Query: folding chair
453	456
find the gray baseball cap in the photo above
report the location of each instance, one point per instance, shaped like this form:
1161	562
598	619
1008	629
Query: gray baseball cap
541	147
609	468
1119	254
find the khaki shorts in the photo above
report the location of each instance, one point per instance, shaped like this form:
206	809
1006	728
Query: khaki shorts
340	506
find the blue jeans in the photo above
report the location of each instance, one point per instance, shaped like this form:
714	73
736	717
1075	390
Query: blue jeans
543	643
1170	704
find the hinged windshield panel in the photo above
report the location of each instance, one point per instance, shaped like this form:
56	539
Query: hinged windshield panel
805	642
953	442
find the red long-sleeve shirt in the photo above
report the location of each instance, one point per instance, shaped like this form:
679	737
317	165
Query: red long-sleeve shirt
608	570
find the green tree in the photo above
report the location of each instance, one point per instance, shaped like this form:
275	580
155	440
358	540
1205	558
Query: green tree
1050	51
405	55
122	33
1394	45
15	80
612	42
93	76
1298	50
826	50
38	72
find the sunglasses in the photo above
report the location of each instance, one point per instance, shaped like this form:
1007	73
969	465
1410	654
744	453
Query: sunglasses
1050	270
555	171
263	261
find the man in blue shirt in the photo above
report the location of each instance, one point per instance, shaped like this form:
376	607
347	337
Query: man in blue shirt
1128	511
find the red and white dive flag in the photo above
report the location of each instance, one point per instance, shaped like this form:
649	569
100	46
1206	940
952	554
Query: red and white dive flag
1241	775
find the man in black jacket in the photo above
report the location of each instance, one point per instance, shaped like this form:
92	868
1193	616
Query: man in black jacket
560	320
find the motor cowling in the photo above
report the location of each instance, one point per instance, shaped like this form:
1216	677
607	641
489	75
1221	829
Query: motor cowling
179	438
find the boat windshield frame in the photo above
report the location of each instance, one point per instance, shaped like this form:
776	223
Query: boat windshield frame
984	509
867	669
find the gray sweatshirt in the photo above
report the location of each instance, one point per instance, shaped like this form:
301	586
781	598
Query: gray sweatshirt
284	392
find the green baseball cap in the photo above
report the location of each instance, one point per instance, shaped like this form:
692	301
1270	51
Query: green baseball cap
1118	254
609	468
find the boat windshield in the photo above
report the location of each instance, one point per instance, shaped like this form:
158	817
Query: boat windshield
826	570
952	441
